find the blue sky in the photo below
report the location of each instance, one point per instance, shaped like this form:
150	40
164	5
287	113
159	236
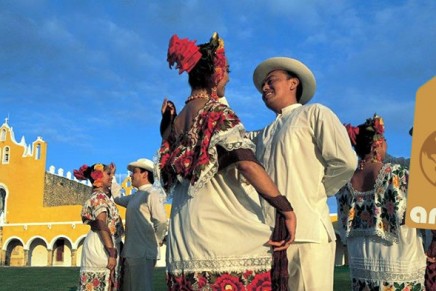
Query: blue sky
89	76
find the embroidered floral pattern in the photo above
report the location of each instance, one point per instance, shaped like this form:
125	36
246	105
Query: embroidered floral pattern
386	286
247	280
377	212
94	281
98	203
189	155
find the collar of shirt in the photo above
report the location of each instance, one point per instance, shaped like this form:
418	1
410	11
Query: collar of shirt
289	108
145	187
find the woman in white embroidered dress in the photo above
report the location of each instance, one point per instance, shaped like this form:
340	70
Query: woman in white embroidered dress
384	254
217	238
100	268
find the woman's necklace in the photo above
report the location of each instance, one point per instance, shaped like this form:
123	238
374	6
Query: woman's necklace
362	163
197	96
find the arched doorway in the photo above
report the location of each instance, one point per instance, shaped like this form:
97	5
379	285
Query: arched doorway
38	254
62	252
15	254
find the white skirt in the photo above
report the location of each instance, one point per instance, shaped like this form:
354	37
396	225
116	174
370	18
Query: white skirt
221	229
93	271
373	260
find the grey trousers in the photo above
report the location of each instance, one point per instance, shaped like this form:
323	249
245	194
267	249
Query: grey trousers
138	274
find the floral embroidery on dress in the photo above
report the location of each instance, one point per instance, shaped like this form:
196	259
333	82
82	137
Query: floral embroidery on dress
95	281
248	280
377	212
386	286
98	203
189	155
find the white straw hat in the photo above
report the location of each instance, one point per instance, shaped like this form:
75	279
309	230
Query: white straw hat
141	163
305	75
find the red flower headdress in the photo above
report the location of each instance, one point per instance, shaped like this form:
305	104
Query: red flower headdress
376	124
80	173
93	173
352	131
220	62
185	53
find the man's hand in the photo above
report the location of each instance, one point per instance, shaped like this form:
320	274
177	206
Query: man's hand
291	225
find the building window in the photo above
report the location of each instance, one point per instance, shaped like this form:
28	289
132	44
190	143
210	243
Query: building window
3	135
59	250
38	152
2	202
6	153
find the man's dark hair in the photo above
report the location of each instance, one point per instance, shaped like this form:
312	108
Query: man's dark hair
150	174
299	87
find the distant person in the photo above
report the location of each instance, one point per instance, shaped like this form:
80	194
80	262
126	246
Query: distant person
307	153
100	268
384	254
146	226
217	239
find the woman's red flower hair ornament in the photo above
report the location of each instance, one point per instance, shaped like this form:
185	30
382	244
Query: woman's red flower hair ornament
352	131
93	173
80	173
220	62
374	124
184	53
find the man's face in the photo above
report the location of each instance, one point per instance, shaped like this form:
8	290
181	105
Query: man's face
279	90
137	177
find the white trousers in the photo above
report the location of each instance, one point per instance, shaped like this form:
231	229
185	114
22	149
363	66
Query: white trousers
311	266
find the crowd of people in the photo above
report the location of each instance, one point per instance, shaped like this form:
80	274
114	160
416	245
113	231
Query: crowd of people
249	208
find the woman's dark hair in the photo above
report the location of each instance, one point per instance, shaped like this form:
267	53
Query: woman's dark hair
299	87
364	141
200	75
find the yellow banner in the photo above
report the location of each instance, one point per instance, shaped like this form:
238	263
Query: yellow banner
421	202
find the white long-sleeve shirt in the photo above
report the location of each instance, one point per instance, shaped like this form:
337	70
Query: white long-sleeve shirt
146	222
307	153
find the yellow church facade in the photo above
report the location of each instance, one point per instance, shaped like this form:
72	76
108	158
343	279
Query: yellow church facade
39	226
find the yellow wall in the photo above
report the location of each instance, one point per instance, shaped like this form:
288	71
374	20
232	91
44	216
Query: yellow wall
26	221
25	218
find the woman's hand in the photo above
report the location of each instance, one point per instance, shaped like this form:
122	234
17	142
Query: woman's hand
168	105
111	263
291	225
112	168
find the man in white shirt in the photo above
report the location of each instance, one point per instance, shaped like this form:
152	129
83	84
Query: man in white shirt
307	153
146	226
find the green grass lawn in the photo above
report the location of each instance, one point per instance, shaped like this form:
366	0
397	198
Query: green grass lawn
66	278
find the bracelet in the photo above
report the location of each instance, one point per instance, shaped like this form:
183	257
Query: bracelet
112	252
280	202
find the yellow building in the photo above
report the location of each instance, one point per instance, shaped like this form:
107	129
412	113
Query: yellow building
39	211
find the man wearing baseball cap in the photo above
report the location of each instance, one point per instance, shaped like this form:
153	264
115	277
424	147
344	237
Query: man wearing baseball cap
307	153
146	226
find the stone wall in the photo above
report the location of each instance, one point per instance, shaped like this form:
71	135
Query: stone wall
60	191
